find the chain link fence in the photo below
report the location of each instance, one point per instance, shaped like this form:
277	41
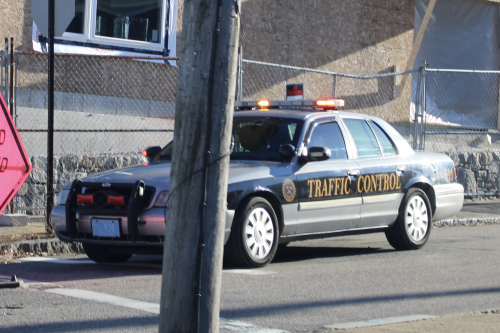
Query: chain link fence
106	111
379	95
461	110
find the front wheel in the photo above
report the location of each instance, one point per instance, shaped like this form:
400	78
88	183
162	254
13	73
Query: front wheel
413	225
254	238
99	254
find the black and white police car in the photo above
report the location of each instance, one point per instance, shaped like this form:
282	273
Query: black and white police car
299	170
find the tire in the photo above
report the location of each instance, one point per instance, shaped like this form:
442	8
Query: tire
254	238
99	254
414	223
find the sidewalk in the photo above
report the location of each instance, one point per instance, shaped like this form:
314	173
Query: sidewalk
477	322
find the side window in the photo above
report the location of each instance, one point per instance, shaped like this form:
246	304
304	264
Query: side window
363	136
329	135
385	142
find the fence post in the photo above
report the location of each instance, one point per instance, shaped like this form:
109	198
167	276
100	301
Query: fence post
3	85
423	106
239	84
418	106
11	82
7	66
334	88
16	63
50	138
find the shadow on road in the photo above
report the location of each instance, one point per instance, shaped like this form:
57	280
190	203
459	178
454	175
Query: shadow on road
293	253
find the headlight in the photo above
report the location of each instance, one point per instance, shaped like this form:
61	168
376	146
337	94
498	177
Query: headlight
162	199
63	195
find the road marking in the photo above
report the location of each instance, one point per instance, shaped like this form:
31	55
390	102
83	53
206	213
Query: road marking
56	260
107	299
382	321
242	327
249	271
151	308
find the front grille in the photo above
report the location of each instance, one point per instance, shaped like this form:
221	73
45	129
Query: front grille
101	196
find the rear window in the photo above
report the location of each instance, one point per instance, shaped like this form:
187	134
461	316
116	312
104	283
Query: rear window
365	140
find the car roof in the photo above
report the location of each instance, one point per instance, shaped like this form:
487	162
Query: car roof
300	114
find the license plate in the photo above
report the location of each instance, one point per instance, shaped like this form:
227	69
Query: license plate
106	228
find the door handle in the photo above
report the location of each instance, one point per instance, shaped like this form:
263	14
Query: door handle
401	168
354	172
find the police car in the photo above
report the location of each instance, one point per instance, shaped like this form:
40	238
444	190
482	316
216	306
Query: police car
298	170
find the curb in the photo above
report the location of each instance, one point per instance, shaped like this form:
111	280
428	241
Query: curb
11	283
50	246
466	222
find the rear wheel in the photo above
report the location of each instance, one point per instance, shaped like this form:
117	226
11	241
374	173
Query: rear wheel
98	253
413	225
254	238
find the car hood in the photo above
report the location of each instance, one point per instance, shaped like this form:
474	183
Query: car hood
156	173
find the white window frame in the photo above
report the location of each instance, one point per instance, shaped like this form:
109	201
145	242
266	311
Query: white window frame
89	36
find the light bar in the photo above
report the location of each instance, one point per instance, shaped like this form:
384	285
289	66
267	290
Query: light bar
85	198
325	104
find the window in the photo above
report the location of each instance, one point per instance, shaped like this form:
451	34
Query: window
363	136
138	24
329	135
385	142
260	138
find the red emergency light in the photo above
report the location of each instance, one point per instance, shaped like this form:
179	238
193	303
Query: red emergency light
329	103
85	198
116	200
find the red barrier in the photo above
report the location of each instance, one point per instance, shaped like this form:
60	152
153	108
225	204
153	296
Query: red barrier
15	166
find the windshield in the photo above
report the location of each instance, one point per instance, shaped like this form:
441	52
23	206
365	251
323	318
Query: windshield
260	138
255	138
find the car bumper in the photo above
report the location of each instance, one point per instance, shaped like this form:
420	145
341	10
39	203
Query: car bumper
449	200
152	226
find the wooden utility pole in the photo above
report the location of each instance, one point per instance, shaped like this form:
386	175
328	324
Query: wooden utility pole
192	261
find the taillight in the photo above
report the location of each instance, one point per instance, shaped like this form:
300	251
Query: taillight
116	200
145	153
85	198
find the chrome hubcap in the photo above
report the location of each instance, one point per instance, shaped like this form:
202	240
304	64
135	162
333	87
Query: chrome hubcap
417	219
259	232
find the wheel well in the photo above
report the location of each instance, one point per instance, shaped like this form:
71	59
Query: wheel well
429	191
272	200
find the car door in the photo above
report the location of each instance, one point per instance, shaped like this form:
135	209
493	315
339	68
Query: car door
327	201
383	172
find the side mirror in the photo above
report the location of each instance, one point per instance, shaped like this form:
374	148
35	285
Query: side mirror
287	151
316	154
150	152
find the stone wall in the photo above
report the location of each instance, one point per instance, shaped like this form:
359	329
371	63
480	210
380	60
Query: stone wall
478	172
31	198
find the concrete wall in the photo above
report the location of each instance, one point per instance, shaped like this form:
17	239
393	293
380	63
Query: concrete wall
16	22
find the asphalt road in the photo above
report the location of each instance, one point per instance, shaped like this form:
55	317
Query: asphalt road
309	285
